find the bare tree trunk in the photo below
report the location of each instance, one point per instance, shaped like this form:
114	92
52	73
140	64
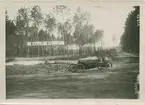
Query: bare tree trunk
27	49
47	47
37	45
33	46
67	51
52	46
80	50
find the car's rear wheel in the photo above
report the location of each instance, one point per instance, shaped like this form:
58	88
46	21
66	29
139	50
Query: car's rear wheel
80	68
72	68
99	67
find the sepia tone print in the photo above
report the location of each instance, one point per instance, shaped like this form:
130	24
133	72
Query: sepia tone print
72	51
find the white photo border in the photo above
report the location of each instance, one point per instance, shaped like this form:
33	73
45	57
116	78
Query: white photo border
140	101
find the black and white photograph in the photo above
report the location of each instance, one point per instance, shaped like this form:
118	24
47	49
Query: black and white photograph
72	50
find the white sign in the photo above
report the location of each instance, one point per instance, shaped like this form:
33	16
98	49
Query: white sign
45	43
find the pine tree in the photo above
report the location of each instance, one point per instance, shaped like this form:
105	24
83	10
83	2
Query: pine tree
130	37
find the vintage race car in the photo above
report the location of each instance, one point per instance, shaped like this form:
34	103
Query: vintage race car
91	62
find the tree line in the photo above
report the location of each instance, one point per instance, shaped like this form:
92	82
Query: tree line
131	35
60	24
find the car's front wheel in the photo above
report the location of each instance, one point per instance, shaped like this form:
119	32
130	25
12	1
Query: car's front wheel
109	64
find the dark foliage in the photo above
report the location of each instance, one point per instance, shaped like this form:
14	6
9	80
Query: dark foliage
130	37
10	26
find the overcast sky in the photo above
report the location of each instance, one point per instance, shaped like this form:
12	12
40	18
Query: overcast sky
109	18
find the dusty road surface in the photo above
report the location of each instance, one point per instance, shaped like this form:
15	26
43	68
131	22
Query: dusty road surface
41	81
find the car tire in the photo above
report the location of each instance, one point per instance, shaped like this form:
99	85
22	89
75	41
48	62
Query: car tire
80	68
72	68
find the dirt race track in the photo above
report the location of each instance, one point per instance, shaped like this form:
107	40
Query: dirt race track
42	81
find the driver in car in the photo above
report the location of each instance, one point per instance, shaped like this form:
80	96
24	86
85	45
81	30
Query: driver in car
100	59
